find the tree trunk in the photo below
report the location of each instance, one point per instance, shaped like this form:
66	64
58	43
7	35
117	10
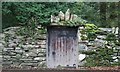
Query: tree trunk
119	20
0	17
103	6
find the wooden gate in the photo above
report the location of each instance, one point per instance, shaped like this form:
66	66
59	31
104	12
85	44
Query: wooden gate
62	46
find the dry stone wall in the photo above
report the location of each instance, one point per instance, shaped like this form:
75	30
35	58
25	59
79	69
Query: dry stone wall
21	51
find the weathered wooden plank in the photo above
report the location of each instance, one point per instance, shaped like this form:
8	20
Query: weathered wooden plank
62	46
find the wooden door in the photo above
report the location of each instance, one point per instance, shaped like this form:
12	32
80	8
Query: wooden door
62	46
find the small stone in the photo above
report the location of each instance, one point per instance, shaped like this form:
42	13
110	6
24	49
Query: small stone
27	43
13	56
28	64
6	63
101	37
106	29
12	45
10	32
27	46
16	40
19	51
26	59
83	47
67	15
30	61
19	37
18	56
32	54
12	53
15	64
6	57
41	54
118	48
27	55
42	64
2	35
10	48
39	50
33	43
75	17
114	57
39	58
17	48
1	45
4	49
43	46
2	41
82	56
61	15
36	46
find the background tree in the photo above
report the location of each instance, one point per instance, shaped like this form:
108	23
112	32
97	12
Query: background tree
15	14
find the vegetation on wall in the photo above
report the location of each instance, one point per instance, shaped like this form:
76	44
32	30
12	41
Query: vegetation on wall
90	32
106	55
28	15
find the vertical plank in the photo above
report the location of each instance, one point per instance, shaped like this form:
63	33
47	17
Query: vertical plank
62	47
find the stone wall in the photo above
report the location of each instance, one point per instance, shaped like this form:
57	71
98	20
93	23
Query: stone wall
101	42
21	51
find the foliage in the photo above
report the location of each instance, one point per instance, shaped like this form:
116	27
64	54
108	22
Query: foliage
105	55
102	57
89	11
22	12
91	31
101	14
29	29
111	37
